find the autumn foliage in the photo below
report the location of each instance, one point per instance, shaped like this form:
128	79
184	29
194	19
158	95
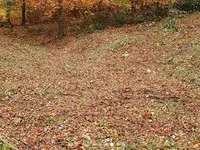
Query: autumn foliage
93	13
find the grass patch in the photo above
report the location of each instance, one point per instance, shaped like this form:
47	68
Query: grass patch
6	60
170	25
186	65
5	64
119	42
113	45
31	47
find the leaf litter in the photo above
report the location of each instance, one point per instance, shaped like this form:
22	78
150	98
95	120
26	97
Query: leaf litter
132	97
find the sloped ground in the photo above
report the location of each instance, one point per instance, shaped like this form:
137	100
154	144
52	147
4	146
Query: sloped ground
136	87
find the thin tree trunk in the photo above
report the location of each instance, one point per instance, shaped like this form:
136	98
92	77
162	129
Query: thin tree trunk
8	10
60	20
23	13
132	8
99	8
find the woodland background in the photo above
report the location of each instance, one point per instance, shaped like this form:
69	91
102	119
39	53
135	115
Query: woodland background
88	15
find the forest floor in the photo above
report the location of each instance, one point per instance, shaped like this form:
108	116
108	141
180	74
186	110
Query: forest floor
135	87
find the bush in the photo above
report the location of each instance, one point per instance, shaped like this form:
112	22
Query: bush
119	19
101	19
96	26
189	5
123	16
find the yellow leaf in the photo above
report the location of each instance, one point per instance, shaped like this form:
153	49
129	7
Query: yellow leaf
158	44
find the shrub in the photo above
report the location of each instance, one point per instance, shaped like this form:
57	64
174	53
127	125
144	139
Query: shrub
101	20
96	26
189	5
119	19
123	16
170	24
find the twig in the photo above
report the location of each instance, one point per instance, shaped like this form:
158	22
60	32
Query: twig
19	140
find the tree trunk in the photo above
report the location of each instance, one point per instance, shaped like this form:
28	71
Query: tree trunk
23	13
99	9
99	6
8	10
60	20
132	8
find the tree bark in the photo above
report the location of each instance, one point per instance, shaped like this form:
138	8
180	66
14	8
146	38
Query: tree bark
99	6
60	20
8	10
132	8
23	21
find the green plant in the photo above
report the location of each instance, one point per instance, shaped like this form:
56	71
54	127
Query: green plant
49	120
119	19
100	21
189	5
122	17
5	145
131	146
118	42
96	26
102	123
170	24
22	43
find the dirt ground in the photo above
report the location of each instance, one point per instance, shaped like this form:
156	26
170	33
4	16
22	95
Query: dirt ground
135	87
